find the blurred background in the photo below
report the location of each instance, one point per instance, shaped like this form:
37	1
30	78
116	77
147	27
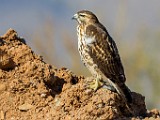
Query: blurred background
134	25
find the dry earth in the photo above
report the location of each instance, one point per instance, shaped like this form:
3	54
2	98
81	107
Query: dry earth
31	89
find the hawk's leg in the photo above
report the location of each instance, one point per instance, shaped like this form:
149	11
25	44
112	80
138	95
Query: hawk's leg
97	83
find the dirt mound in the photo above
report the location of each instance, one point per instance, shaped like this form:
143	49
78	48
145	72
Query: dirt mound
33	89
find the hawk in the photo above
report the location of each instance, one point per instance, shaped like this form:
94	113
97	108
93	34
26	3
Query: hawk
100	55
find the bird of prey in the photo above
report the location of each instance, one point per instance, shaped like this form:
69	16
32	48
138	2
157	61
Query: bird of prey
99	54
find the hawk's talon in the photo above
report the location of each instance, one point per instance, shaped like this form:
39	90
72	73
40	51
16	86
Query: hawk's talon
96	84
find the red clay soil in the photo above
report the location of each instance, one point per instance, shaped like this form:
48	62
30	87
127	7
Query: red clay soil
32	89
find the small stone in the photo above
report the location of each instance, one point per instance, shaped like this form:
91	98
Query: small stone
25	107
2	115
43	95
100	105
88	91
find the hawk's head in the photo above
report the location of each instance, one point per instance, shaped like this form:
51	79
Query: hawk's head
84	17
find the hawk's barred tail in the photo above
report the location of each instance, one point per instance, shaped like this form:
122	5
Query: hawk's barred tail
127	93
123	91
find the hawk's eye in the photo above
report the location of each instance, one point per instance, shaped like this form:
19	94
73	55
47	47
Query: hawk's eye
82	15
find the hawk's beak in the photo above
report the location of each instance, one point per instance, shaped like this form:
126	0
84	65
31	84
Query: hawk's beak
75	17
